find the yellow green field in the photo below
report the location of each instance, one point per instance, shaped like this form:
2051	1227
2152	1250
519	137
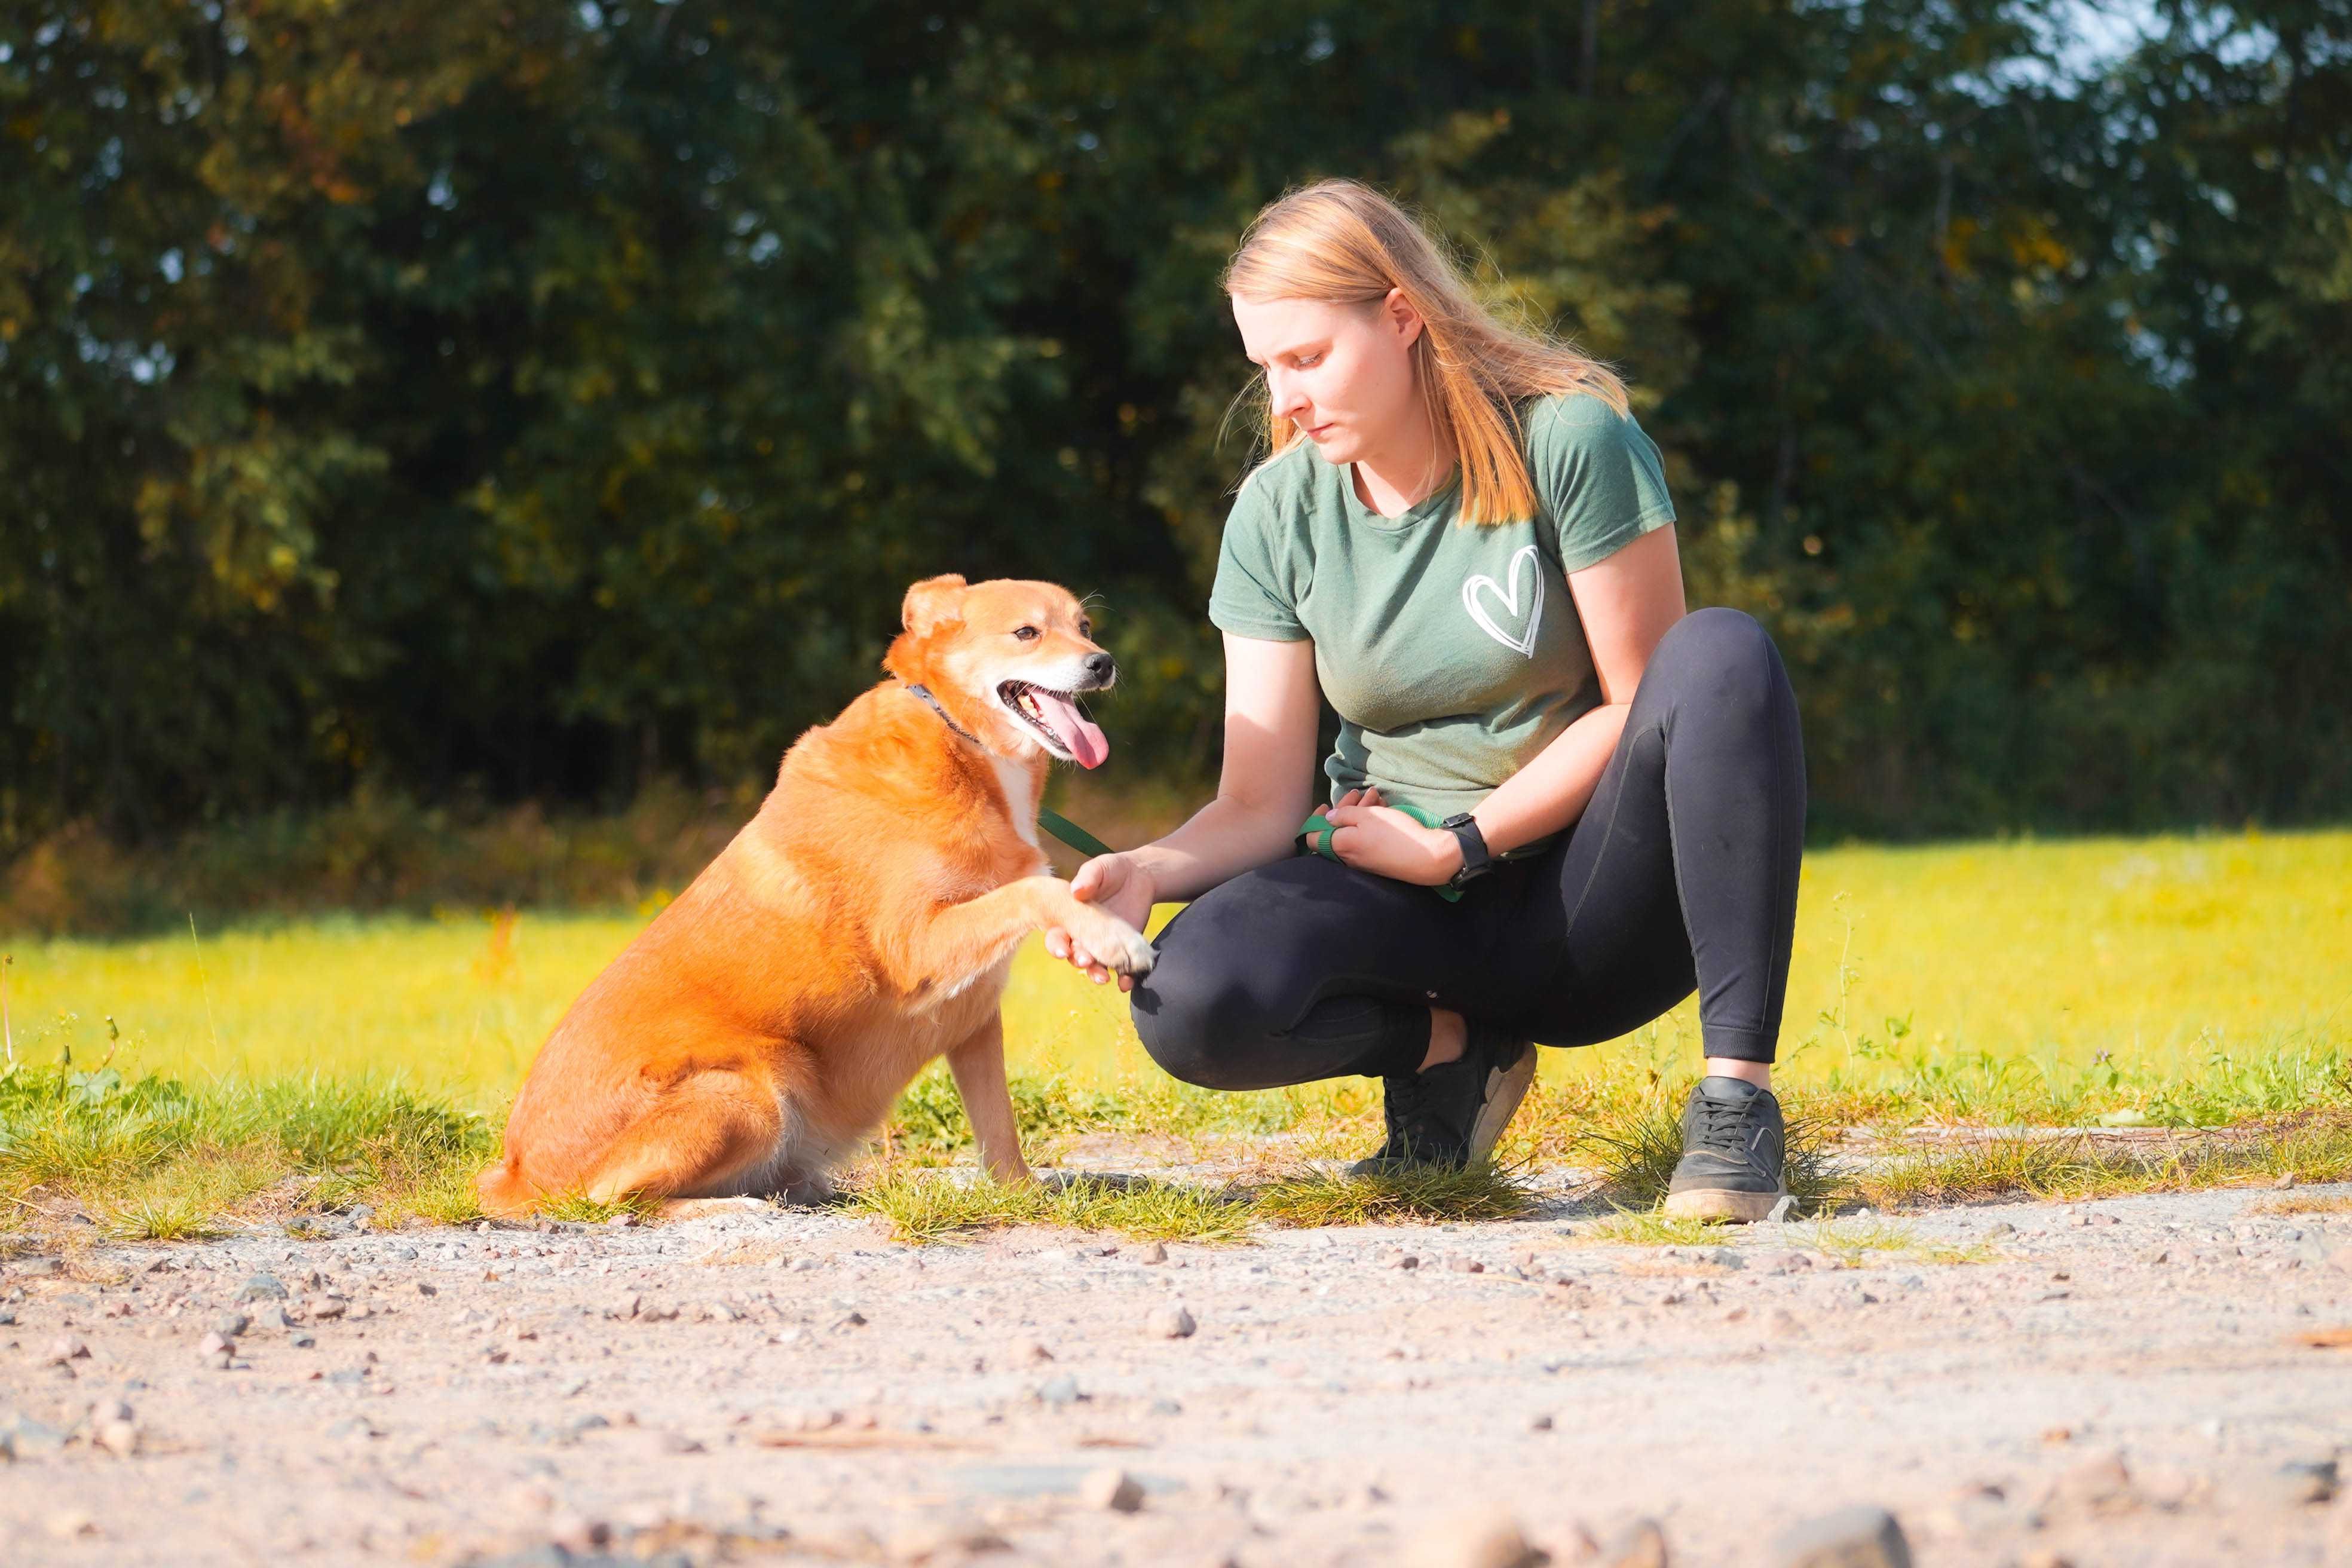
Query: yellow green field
2189	978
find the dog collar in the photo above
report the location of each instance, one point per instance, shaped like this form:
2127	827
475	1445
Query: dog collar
1054	822
924	692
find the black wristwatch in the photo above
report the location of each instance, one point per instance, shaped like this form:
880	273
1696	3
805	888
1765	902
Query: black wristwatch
1476	861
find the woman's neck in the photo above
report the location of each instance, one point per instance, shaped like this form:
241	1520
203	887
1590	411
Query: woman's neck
1405	472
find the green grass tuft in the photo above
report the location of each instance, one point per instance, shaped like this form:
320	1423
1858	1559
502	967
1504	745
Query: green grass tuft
1428	1195
934	1205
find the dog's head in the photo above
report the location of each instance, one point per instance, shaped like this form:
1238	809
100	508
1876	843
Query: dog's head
1008	659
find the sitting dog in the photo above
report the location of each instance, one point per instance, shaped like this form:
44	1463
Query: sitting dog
861	924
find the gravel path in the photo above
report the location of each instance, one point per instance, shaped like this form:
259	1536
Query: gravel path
2122	1381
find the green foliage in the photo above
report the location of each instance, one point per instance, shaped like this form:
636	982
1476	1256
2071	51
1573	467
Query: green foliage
525	401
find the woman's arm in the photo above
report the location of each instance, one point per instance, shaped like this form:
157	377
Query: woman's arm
1627	602
1264	792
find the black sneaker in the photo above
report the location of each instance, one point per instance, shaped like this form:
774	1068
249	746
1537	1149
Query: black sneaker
1733	1148
1453	1113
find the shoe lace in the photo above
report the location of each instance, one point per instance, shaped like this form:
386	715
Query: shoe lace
1415	1121
1723	1125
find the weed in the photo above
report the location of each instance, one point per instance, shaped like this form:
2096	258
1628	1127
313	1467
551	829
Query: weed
936	1205
2303	1203
1426	1196
579	1208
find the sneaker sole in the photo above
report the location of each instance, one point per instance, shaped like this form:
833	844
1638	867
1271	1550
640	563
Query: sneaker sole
1502	1105
1722	1203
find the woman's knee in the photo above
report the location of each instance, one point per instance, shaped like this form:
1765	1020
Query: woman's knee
1723	651
1195	1018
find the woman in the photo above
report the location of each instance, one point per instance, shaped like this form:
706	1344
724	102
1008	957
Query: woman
1464	540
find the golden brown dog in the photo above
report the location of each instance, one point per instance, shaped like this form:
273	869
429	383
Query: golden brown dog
861	924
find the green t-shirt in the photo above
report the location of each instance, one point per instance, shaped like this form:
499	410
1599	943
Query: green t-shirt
1453	653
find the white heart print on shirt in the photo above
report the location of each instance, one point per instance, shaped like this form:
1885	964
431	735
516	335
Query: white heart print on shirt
1482	584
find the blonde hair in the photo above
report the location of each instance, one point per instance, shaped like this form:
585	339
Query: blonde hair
1342	242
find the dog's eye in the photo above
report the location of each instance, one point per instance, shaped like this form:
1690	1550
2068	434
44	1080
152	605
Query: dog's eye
1086	628
1027	634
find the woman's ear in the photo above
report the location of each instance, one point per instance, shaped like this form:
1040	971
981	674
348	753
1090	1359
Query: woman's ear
932	603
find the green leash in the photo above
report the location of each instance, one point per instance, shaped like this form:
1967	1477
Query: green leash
1316	830
1070	832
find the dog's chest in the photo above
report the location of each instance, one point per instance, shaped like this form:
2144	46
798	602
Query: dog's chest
1015	780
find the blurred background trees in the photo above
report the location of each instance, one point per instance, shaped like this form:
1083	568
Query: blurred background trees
530	401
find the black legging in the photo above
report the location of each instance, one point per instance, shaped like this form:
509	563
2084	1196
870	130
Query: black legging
1681	872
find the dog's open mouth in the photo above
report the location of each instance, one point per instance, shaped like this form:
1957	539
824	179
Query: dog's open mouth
1058	716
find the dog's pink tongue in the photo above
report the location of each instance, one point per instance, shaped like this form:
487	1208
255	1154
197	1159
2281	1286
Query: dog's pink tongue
1081	734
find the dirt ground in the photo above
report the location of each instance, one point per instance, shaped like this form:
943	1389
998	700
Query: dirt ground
2141	1381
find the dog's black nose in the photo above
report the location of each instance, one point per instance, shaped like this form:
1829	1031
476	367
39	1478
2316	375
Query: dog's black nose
1100	665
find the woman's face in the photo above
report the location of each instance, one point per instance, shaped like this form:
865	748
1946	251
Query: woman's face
1343	374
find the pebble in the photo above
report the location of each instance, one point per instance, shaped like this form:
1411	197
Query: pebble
323	1309
1170	1322
2100	1484
262	1287
1785	1323
119	1438
1860	1536
2302	1482
1641	1544
1462	1265
1475	1541
73	1522
1154	1253
230	1324
1059	1391
1026	1352
1111	1489
65	1349
1400	1260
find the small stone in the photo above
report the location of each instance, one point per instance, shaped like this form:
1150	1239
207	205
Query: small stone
2286	1180
1462	1265
578	1533
1112	1490
107	1410
1398	1258
1641	1544
679	1442
67	1526
262	1287
230	1324
1850	1538
2100	1484
219	1361
1538	1423
64	1349
1170	1322
2300	1483
119	1438
1784	1323
1059	1391
1026	1352
326	1309
303	1342
2000	1232
1152	1253
626	1307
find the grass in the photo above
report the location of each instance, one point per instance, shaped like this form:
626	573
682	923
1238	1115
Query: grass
939	1205
278	1069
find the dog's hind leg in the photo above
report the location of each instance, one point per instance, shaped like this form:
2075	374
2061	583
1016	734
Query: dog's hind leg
702	1138
978	1065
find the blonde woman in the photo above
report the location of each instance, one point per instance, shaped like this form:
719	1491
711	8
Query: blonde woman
1561	804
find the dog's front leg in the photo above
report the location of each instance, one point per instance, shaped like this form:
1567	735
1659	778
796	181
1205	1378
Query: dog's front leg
978	1065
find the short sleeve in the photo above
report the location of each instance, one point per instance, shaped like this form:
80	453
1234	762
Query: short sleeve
1599	475
1251	595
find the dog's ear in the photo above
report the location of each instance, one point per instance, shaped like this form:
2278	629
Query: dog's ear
933	602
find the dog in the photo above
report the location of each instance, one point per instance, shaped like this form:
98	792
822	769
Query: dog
863	923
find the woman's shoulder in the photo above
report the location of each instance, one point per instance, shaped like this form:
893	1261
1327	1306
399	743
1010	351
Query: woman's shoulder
1284	491
1576	418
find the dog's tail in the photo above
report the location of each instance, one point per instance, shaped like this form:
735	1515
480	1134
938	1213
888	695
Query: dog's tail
502	1189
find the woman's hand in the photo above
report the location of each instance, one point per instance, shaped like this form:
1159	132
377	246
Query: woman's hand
1375	837
1118	885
